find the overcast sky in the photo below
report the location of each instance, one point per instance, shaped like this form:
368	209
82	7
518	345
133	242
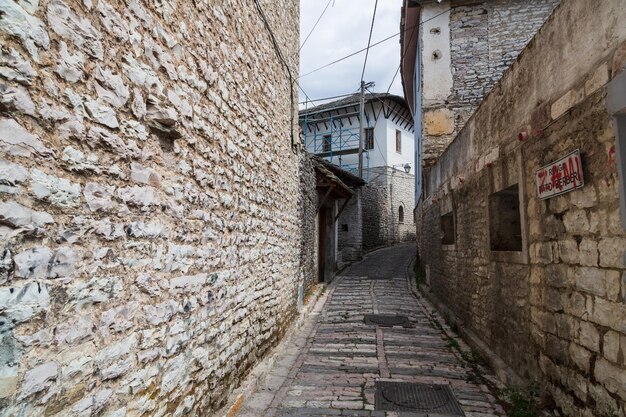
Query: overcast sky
344	29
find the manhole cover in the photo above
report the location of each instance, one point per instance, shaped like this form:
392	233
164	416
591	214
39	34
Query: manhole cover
387	320
406	396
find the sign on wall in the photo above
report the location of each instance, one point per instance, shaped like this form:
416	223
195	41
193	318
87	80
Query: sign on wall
560	177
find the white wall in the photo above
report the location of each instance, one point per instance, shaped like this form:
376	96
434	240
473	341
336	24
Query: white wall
384	152
437	73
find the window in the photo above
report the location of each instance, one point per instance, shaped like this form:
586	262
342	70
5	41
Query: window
398	141
505	227
448	234
326	143
400	214
344	227
369	138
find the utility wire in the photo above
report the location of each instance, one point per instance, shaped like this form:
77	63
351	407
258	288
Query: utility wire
350	55
413	32
369	40
282	58
371	46
326	98
315	25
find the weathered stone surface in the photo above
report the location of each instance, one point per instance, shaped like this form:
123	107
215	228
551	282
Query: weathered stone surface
69	66
110	87
99	197
16	99
14	67
65	23
17	141
123	252
101	113
57	191
139	196
62	263
144	175
77	161
12	174
33	263
16	215
38	379
15	21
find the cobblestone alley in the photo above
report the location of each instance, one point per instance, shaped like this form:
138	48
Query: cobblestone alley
332	365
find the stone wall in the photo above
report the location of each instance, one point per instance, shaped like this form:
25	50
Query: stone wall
554	310
350	230
485	38
149	202
308	218
387	190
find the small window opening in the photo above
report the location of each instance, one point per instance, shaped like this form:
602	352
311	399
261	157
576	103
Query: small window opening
398	141
344	227
448	233
369	138
505	226
327	142
401	214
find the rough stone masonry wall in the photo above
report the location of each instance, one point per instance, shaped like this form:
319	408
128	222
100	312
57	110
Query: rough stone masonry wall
386	191
485	38
556	310
149	198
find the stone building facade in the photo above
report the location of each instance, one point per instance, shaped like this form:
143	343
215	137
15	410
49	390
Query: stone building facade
332	131
150	210
541	281
388	211
465	48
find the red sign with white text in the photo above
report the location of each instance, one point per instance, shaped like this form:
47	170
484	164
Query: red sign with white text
560	176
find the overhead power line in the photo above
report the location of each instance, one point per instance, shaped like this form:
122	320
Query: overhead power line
371	46
315	25
369	40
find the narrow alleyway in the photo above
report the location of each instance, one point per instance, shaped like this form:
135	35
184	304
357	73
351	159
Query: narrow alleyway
335	360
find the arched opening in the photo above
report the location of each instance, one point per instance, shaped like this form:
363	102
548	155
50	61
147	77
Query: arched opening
400	214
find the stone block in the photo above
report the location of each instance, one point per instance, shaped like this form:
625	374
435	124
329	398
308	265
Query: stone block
589	336
613	348
581	357
591	280
612	377
598	79
568	251
566	102
588	251
576	222
438	122
57	191
17	141
33	263
38	379
585	197
609	314
611	252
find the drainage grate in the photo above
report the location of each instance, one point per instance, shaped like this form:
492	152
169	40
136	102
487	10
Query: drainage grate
406	396
387	320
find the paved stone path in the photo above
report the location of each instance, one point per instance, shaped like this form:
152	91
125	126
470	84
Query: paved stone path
330	367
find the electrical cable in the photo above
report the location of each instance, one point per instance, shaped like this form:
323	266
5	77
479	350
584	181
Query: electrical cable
310	100
413	32
282	58
369	41
315	25
371	46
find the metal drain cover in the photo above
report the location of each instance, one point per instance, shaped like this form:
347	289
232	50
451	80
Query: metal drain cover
407	396
387	320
